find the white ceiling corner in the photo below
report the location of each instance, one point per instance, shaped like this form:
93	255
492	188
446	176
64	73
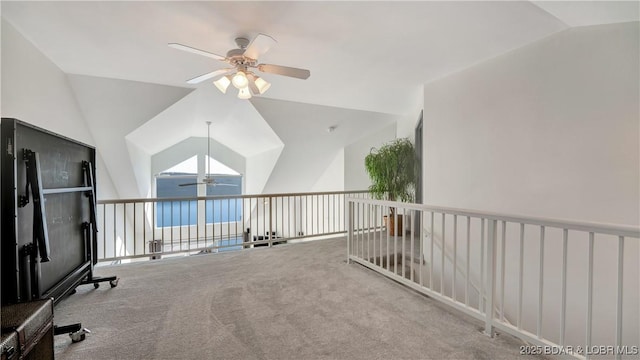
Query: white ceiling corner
586	13
309	145
169	127
297	122
112	109
114	105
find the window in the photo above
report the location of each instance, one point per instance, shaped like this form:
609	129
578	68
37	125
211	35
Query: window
177	212
224	210
183	212
181	183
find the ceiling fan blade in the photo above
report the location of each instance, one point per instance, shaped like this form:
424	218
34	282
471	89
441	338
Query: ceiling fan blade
197	51
189	184
207	76
259	45
221	184
285	70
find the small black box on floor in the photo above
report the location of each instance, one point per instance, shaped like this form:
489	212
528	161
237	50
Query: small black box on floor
27	331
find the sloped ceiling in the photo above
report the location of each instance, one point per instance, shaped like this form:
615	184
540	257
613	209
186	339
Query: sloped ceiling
585	13
234	123
113	108
362	55
312	148
367	57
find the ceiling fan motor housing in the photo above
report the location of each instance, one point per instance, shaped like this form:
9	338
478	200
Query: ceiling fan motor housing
242	42
236	58
234	53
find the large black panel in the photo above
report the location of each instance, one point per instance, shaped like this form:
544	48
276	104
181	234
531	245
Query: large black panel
64	168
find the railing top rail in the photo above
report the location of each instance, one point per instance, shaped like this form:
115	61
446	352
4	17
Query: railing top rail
600	228
222	197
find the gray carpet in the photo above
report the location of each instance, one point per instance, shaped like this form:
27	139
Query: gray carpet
299	301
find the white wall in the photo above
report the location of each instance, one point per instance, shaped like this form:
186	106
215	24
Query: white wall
547	130
550	130
259	169
355	175
141	167
333	177
407	123
36	91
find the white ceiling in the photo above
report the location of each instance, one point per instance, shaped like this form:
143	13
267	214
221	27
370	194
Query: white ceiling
585	13
369	56
362	55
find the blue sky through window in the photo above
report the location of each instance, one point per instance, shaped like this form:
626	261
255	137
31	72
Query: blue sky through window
185	212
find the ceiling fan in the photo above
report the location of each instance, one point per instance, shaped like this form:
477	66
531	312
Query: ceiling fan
209	179
242	60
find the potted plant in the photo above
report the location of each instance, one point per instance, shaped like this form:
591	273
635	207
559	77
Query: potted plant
392	169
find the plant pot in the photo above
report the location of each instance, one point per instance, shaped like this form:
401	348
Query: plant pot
389	222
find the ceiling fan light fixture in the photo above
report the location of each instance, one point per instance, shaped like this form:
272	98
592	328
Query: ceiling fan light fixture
262	85
222	84
244	93
242	60
239	80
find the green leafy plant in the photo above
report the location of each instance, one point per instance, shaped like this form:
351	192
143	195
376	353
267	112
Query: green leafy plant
392	169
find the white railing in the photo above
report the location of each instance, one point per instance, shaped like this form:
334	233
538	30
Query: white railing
566	288
139	228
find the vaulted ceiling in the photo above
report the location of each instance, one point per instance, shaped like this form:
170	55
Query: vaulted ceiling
364	57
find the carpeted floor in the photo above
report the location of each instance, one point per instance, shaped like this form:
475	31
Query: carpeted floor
298	301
